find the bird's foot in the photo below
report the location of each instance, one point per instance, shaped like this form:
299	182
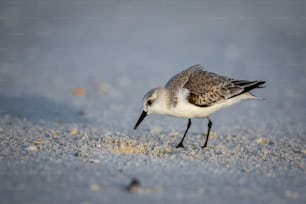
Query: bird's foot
180	145
204	146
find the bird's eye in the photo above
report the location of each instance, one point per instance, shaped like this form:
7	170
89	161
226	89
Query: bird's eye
149	102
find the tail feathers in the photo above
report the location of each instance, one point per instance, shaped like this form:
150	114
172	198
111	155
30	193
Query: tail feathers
253	85
248	86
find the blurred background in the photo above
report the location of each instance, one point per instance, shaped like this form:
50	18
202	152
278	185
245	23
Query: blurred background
76	60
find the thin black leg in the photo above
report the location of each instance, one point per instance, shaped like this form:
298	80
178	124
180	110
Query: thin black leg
208	131
182	140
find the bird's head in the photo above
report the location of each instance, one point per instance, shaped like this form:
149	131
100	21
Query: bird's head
154	102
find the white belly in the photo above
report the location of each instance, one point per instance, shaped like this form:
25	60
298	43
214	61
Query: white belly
184	109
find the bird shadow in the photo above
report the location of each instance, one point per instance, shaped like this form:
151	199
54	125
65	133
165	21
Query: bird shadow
36	108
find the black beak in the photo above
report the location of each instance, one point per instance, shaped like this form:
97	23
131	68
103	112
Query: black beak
142	116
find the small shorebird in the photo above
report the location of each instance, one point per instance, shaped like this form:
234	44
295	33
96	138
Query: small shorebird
196	93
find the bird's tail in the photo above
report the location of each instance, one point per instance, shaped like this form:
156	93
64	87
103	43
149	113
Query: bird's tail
255	84
247	86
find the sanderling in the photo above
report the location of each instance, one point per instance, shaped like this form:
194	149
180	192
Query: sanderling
196	93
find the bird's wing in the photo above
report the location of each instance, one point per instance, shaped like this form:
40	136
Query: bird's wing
208	88
179	80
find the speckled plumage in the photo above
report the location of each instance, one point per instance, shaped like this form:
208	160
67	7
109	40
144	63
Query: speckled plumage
205	88
196	93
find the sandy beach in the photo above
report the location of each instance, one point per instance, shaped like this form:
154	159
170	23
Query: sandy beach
72	78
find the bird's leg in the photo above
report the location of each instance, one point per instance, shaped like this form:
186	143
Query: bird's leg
208	131
182	140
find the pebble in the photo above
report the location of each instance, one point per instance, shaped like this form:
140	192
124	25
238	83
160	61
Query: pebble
31	148
133	186
74	131
94	161
263	141
79	92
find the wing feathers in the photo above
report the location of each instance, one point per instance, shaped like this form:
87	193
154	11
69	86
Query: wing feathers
207	88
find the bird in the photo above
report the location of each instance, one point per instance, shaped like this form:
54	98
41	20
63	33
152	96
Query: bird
196	93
